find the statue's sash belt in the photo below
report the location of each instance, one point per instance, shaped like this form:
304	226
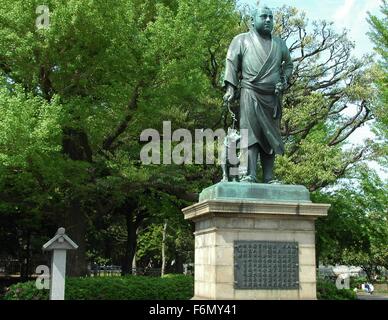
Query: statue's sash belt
264	88
267	90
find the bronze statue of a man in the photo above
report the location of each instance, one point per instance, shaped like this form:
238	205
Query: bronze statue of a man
260	64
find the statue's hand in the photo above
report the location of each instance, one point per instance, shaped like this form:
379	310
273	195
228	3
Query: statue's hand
280	87
230	94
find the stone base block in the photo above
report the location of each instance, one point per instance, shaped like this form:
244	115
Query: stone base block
221	224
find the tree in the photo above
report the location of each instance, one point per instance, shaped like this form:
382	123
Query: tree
379	36
113	71
327	83
29	155
356	229
107	83
165	228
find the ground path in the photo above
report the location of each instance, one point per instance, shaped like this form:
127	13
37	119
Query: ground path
371	297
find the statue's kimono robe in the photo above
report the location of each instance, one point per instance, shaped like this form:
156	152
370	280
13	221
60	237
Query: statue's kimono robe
258	69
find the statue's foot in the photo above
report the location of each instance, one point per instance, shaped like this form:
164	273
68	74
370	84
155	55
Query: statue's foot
248	179
274	182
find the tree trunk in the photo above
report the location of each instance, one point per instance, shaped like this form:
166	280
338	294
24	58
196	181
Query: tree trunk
75	144
25	257
134	217
134	271
76	229
164	249
179	264
130	247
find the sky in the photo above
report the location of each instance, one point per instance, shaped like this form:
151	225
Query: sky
346	14
349	14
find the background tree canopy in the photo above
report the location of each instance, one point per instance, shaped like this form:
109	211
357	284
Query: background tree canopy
75	97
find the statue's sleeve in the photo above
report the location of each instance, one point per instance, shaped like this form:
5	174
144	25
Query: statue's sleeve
288	64
233	62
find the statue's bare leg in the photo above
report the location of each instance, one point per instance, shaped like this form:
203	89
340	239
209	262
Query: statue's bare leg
253	155
267	165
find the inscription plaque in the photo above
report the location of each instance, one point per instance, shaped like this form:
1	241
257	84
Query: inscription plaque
266	265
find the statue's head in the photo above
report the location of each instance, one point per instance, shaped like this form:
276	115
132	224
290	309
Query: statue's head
263	20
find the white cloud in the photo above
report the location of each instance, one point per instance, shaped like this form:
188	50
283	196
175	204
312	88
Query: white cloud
352	15
344	11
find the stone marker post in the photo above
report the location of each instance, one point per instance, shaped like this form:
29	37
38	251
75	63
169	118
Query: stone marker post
59	245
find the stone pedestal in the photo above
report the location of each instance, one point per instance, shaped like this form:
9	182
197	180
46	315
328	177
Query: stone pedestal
230	216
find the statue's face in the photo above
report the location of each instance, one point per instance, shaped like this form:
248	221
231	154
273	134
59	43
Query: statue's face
263	21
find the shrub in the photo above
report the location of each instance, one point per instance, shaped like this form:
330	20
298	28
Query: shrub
171	287
356	282
25	291
326	290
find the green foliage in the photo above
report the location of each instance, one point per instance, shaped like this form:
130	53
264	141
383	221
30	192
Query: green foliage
30	145
314	159
316	122
150	242
75	97
29	128
326	290
356	230
379	35
25	291
171	287
179	241
356	282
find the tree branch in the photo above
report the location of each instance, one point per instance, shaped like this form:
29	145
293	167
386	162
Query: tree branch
340	172
132	105
353	124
